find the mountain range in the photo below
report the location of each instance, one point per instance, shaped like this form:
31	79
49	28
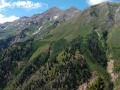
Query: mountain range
62	50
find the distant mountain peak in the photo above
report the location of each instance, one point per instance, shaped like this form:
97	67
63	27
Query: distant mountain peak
104	3
54	9
73	8
24	17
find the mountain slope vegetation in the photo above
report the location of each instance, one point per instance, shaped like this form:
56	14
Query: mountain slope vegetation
63	53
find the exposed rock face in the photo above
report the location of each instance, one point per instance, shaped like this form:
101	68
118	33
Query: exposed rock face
83	86
40	19
110	69
24	24
117	16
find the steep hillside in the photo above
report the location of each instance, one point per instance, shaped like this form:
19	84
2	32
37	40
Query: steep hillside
36	26
66	50
38	23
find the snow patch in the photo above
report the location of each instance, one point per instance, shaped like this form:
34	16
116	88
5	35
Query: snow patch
37	31
55	17
23	19
6	27
29	24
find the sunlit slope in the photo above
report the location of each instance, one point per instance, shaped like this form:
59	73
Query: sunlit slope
67	56
98	18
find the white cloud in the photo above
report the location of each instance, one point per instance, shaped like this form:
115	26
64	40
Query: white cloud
4	19
4	4
93	2
26	4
